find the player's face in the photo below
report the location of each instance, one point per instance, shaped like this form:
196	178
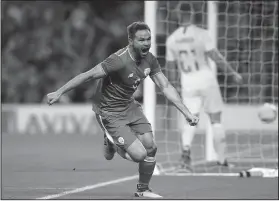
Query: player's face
142	42
184	18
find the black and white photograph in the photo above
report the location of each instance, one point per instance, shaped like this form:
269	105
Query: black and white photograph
124	100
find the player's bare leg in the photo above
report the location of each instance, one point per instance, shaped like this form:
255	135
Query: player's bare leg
144	155
219	139
121	152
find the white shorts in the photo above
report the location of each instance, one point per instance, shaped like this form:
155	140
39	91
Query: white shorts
207	97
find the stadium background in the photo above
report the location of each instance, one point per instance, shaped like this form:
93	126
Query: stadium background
44	44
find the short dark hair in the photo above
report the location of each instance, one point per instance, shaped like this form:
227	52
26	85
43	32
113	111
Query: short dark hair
184	8
136	26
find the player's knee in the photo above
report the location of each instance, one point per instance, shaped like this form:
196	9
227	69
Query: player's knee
137	151
152	150
151	147
139	156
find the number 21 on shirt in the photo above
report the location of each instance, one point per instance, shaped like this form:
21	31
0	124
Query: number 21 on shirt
187	61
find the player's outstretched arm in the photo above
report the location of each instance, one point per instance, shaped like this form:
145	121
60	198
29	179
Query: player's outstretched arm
171	94
94	73
220	60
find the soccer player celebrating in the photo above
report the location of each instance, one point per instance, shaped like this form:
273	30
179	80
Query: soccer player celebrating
189	48
120	116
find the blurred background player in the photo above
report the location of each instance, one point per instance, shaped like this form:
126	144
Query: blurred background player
119	115
190	48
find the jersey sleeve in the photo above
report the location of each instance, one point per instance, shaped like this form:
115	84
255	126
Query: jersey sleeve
169	52
155	66
208	41
111	64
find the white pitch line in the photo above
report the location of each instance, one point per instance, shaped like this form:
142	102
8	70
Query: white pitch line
36	188
102	184
78	190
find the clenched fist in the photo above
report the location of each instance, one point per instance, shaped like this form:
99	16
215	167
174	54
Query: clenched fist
193	120
53	97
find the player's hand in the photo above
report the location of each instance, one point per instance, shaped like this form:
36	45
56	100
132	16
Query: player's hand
193	120
237	78
53	97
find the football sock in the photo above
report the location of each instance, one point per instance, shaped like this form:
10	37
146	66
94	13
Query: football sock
219	141
146	168
187	136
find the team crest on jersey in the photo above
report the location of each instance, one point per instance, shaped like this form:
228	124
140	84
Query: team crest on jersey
146	71
121	140
131	75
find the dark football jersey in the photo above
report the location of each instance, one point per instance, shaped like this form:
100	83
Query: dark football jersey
114	93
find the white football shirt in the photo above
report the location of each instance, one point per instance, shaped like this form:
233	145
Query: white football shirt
187	46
